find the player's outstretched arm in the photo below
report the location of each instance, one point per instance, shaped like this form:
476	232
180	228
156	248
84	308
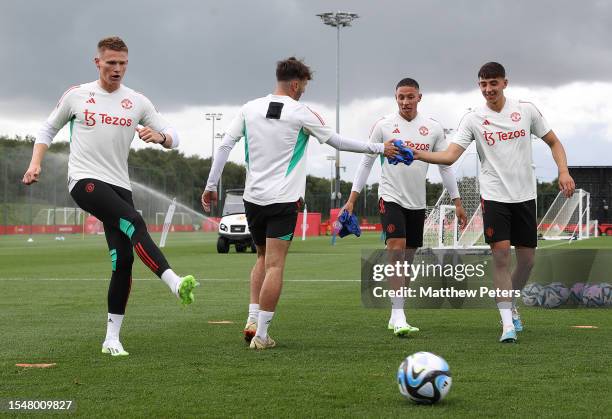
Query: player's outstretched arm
447	157
566	183
347	144
209	196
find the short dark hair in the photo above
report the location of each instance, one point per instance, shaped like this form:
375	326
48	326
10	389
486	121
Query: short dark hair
407	82
291	69
113	43
492	70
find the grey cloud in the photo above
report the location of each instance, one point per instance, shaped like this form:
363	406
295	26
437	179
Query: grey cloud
203	52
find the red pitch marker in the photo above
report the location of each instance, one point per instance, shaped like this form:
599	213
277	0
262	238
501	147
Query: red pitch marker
36	365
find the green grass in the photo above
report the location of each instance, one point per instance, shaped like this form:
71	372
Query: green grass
334	358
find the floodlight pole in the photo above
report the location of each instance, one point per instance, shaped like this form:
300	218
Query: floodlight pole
213	117
218	136
332	194
337	20
337	182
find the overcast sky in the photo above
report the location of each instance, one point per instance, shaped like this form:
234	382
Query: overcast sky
191	57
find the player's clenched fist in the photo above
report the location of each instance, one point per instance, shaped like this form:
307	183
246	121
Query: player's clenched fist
149	135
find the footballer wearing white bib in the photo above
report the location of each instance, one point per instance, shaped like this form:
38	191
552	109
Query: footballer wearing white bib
401	190
103	117
502	130
275	149
276	129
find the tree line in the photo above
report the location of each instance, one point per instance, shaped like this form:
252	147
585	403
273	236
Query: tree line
173	173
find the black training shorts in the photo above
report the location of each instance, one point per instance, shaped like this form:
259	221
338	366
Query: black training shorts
274	221
514	221
402	223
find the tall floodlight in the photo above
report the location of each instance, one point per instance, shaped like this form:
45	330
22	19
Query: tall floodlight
213	117
219	136
332	193
338	20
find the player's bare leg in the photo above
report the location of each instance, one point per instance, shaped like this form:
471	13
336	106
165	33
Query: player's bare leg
276	254
258	274
502	260
399	252
525	258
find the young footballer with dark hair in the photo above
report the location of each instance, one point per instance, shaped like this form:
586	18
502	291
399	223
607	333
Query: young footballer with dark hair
502	129
401	191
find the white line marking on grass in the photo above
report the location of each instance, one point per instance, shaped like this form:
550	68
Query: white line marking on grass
155	279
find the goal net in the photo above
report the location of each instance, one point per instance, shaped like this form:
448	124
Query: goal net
568	218
441	225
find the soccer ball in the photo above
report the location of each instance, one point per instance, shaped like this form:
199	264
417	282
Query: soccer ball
606	290
531	294
593	295
553	295
576	292
424	378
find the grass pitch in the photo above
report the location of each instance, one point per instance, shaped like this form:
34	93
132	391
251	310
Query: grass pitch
334	358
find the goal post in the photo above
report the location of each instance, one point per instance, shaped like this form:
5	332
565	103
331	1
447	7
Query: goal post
438	231
568	218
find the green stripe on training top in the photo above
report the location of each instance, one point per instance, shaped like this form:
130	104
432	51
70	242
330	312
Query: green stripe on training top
126	227
286	237
382	159
71	127
246	145
113	254
298	151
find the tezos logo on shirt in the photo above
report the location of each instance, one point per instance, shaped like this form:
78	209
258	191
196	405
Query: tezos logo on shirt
417	146
491	137
106	119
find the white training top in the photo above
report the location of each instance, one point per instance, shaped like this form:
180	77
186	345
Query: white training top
503	142
102	127
405	185
275	147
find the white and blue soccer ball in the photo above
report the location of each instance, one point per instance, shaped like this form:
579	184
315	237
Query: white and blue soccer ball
576	292
424	377
606	290
531	294
593	295
554	295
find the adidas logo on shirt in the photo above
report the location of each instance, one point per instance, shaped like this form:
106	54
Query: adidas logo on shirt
91	100
396	131
486	122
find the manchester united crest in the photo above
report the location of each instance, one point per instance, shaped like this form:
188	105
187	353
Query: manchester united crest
127	104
